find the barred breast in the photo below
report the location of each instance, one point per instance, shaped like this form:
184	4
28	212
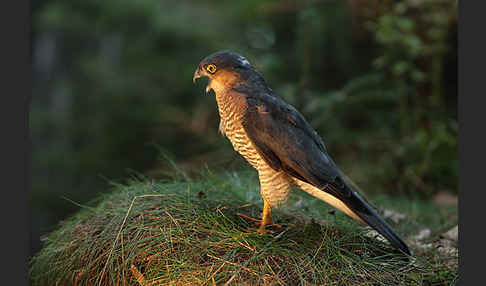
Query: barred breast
274	185
231	116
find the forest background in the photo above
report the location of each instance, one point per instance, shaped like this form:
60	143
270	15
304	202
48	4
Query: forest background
113	96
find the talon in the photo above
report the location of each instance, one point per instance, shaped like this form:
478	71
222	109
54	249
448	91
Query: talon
261	230
274	225
258	222
264	231
248	218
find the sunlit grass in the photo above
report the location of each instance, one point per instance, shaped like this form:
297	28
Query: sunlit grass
186	232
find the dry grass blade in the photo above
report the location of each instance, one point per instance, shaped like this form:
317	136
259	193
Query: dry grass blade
138	275
121	228
178	237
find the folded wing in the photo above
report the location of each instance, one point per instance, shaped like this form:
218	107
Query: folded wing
287	142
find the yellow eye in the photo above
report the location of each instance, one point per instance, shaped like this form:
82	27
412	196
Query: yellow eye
211	68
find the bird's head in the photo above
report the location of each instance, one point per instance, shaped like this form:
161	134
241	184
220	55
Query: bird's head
224	69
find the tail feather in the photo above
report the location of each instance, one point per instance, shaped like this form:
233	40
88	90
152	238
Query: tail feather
366	213
352	204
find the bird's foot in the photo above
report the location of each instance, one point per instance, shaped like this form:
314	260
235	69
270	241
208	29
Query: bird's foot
259	223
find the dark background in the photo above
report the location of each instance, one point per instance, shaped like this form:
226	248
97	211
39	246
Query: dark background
112	90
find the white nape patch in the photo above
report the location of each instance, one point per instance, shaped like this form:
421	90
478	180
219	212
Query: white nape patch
243	61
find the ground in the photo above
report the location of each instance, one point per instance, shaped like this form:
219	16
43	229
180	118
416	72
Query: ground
183	231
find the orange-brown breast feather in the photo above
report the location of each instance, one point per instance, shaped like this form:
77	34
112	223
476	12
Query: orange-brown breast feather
232	106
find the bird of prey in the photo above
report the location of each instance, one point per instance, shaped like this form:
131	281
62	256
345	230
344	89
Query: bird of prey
279	143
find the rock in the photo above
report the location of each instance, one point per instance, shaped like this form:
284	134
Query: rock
423	234
452	234
445	198
396	217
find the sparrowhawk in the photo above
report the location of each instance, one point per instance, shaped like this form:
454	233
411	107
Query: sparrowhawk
279	143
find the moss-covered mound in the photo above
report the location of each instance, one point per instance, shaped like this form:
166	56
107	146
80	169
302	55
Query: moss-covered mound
189	233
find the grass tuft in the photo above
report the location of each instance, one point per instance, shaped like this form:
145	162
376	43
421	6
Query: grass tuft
183	232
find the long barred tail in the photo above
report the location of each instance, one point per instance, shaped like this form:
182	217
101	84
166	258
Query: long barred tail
366	213
356	207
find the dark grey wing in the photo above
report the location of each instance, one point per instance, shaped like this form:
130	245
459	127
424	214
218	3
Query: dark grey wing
287	142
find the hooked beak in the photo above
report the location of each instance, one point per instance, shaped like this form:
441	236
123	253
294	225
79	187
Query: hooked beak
197	74
200	73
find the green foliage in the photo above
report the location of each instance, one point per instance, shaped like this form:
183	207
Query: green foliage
113	78
414	38
186	232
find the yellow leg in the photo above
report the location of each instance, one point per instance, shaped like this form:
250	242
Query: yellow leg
265	221
266	217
